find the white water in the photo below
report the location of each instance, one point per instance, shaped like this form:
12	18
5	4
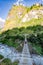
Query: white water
9	52
38	59
14	55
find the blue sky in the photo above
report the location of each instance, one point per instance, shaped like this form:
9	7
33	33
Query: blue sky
5	6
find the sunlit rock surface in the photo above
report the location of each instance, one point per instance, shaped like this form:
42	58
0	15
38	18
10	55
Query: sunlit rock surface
19	15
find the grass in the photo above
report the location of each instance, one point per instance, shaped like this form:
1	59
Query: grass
8	62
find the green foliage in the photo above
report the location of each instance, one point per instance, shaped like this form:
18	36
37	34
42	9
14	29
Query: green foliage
14	36
8	62
36	7
37	42
38	48
1	57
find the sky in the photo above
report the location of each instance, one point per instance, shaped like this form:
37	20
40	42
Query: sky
5	6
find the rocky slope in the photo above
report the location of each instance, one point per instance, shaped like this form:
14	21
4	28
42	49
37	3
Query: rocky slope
21	16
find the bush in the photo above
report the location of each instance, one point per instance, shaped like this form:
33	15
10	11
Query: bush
1	57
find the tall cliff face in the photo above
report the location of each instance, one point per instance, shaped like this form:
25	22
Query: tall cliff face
21	16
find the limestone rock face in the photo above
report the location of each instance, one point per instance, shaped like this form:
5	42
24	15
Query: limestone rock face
22	16
14	17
